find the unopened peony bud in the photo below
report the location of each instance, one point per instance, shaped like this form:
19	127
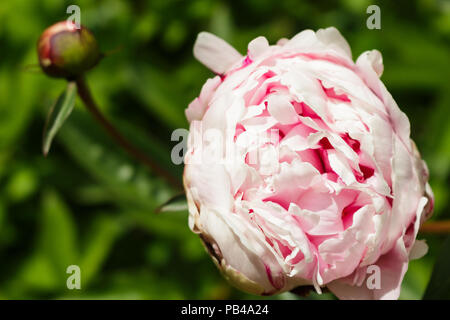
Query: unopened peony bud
66	51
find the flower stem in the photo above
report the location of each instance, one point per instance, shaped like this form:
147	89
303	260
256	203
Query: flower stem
437	227
86	96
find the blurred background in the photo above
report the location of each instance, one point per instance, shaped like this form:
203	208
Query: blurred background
89	204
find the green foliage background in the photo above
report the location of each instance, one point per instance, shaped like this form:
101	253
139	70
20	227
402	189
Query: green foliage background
89	204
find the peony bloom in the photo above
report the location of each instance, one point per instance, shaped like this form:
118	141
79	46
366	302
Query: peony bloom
304	173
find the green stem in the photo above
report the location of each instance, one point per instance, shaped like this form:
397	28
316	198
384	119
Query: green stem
85	95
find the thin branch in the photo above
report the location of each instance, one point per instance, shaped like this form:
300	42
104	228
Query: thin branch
441	227
85	95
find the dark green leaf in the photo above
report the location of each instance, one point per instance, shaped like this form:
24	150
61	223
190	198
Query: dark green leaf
439	286
174	204
58	238
102	234
58	115
128	183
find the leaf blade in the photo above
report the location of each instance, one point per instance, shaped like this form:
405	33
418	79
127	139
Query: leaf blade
174	204
58	115
439	285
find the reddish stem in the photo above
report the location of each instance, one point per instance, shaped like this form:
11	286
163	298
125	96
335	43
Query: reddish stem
436	227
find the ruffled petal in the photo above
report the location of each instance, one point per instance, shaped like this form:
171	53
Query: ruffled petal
215	53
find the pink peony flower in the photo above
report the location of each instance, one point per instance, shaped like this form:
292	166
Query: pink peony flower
318	179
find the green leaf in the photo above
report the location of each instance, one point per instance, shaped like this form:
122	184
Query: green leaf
149	144
172	226
58	238
128	183
174	204
58	115
151	87
439	286
14	120
101	237
22	183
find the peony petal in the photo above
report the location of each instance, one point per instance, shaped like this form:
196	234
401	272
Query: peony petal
257	47
281	109
234	254
211	192
215	53
419	249
371	59
393	266
332	38
197	108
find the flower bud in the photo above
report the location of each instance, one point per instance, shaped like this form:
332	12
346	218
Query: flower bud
66	51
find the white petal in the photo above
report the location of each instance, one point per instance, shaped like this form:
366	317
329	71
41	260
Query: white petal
333	39
257	47
197	108
281	109
282	41
235	254
372	59
215	53
323	39
419	249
